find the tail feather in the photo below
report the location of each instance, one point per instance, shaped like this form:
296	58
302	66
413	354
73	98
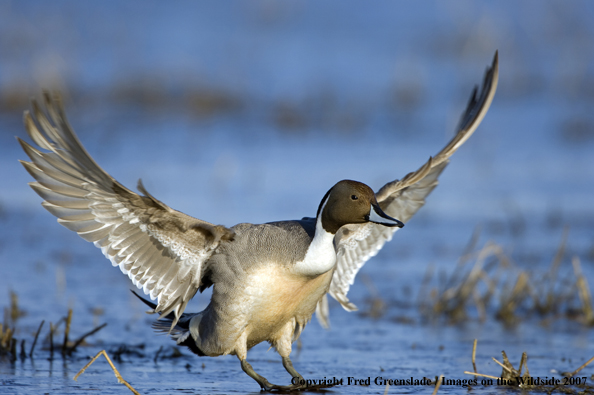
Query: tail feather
163	324
180	332
145	301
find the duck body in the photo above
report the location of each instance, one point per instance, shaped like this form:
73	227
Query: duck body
272	300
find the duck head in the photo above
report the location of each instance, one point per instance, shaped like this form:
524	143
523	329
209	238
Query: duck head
352	202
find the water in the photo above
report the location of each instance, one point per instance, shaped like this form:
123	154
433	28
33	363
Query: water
249	113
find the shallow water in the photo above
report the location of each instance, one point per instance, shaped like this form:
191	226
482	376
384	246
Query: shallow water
310	95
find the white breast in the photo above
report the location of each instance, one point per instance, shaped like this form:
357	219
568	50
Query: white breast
320	256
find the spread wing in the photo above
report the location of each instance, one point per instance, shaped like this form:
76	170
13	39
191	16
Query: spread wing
402	198
162	250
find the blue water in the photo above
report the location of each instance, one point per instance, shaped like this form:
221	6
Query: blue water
305	94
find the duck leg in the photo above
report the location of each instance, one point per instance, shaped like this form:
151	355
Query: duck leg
298	382
264	384
297	378
241	352
284	346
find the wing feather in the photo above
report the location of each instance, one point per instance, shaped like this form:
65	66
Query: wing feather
160	249
401	199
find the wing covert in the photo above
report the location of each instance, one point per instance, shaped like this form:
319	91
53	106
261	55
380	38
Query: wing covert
162	250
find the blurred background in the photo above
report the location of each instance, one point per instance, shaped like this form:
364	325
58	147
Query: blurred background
249	111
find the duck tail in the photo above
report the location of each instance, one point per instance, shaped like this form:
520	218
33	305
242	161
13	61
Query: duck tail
180	332
164	324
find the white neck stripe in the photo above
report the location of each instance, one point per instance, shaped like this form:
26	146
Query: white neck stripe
321	255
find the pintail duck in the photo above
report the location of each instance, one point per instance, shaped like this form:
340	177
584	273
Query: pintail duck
267	279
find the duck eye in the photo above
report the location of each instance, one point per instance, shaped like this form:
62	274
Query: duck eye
354	197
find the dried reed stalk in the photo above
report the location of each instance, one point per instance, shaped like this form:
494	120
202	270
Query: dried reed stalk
117	374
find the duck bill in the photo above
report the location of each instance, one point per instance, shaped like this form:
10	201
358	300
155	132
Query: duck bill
377	216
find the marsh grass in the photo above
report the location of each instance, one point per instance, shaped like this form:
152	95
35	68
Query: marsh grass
115	371
8	341
521	378
488	281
